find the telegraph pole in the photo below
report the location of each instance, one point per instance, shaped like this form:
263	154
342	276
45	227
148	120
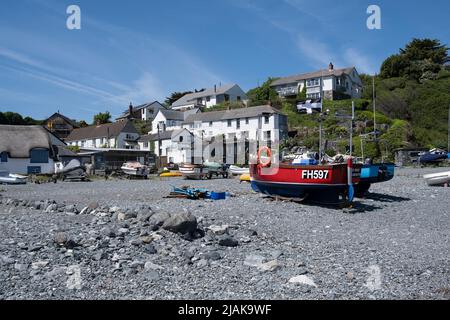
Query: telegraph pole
374	108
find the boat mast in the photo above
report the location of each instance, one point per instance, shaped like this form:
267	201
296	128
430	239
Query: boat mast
351	128
374	106
320	117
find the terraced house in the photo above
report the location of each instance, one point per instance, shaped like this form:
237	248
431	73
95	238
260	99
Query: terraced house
210	97
333	84
119	135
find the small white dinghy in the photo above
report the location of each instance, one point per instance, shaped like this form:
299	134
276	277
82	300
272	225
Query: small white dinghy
134	168
438	179
10	178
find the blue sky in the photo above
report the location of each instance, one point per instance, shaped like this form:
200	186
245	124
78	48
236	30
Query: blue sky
140	50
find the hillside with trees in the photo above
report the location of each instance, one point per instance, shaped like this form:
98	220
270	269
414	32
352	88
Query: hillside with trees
412	105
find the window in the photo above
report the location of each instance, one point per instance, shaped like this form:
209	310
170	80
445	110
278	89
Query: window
313	95
208	98
146	145
229	123
3	157
246	120
238	123
266	119
238	98
313	82
39	156
210	123
181	138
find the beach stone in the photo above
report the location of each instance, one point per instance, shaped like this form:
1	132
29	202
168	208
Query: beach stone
270	266
254	260
149	265
302	279
158	219
228	241
218	230
181	223
212	255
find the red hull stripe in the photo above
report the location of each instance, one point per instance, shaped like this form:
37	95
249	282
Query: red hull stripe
298	183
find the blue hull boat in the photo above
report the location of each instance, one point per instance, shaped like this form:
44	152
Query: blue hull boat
374	173
432	158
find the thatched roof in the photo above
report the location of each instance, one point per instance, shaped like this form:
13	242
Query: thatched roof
17	141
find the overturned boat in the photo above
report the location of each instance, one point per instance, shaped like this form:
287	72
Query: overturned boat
74	170
322	183
10	178
438	179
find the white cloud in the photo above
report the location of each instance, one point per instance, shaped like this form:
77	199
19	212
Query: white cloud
147	87
317	52
363	63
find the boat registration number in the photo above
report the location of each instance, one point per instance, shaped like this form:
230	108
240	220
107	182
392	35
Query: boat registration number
315	174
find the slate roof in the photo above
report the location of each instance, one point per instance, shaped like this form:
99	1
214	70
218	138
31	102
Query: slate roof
316	74
232	114
70	121
191	98
104	130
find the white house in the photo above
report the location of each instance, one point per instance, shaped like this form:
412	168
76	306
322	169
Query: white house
243	122
210	97
335	84
145	112
175	145
177	141
28	149
168	120
121	135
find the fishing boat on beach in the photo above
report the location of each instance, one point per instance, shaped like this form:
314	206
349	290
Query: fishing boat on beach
433	156
330	183
10	178
374	173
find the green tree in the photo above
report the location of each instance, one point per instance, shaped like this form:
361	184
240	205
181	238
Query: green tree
102	118
421	59
263	94
174	96
82	124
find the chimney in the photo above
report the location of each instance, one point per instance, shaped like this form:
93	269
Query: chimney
215	88
130	109
330	67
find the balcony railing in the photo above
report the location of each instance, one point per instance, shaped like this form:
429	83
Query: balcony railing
287	91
